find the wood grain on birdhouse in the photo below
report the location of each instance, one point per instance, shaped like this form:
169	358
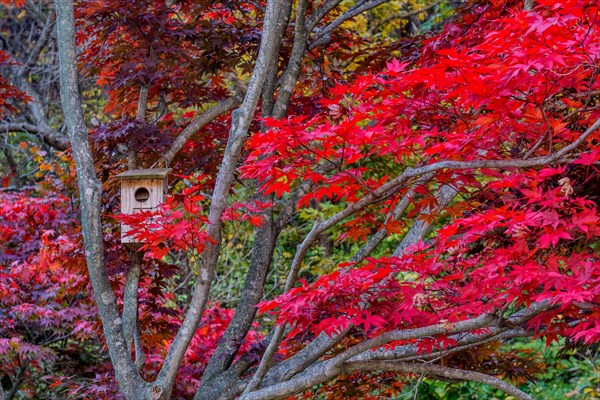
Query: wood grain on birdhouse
141	190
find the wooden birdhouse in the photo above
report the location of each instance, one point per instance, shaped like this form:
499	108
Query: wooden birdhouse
141	189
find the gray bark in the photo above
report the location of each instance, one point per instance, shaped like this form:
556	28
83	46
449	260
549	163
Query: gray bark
90	189
48	135
384	191
140	115
265	236
303	370
529	4
241	120
294	67
130	306
439	371
361	7
323	371
516	319
25	45
198	123
378	237
268	92
420	228
262	254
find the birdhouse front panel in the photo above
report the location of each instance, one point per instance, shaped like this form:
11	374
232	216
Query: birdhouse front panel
144	194
141	190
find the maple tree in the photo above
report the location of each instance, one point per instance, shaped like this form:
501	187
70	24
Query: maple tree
456	175
31	53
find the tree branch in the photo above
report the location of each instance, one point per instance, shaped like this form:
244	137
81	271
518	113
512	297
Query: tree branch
528	5
34	9
198	123
39	45
321	12
22	127
376	239
439	371
403	15
260	260
420	228
463	342
241	120
323	343
268	92
289	206
440	329
353	12
140	116
90	190
322	372
277	109
262	249
130	301
288	81
290	76
18	379
446	194
303	359
48	135
279	329
388	188
326	370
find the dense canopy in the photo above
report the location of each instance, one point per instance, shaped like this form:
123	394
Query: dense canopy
368	199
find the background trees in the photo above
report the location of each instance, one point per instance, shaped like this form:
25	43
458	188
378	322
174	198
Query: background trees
393	207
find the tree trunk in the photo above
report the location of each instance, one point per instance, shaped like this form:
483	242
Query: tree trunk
90	190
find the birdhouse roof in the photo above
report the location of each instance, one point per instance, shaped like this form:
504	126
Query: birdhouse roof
148	173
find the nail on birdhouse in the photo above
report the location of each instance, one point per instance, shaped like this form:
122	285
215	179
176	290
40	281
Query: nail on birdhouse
141	190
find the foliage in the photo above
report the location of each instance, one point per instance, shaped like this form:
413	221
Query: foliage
488	99
49	342
437	197
566	373
48	319
8	92
529	234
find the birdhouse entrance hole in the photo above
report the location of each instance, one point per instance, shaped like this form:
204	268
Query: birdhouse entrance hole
142	194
